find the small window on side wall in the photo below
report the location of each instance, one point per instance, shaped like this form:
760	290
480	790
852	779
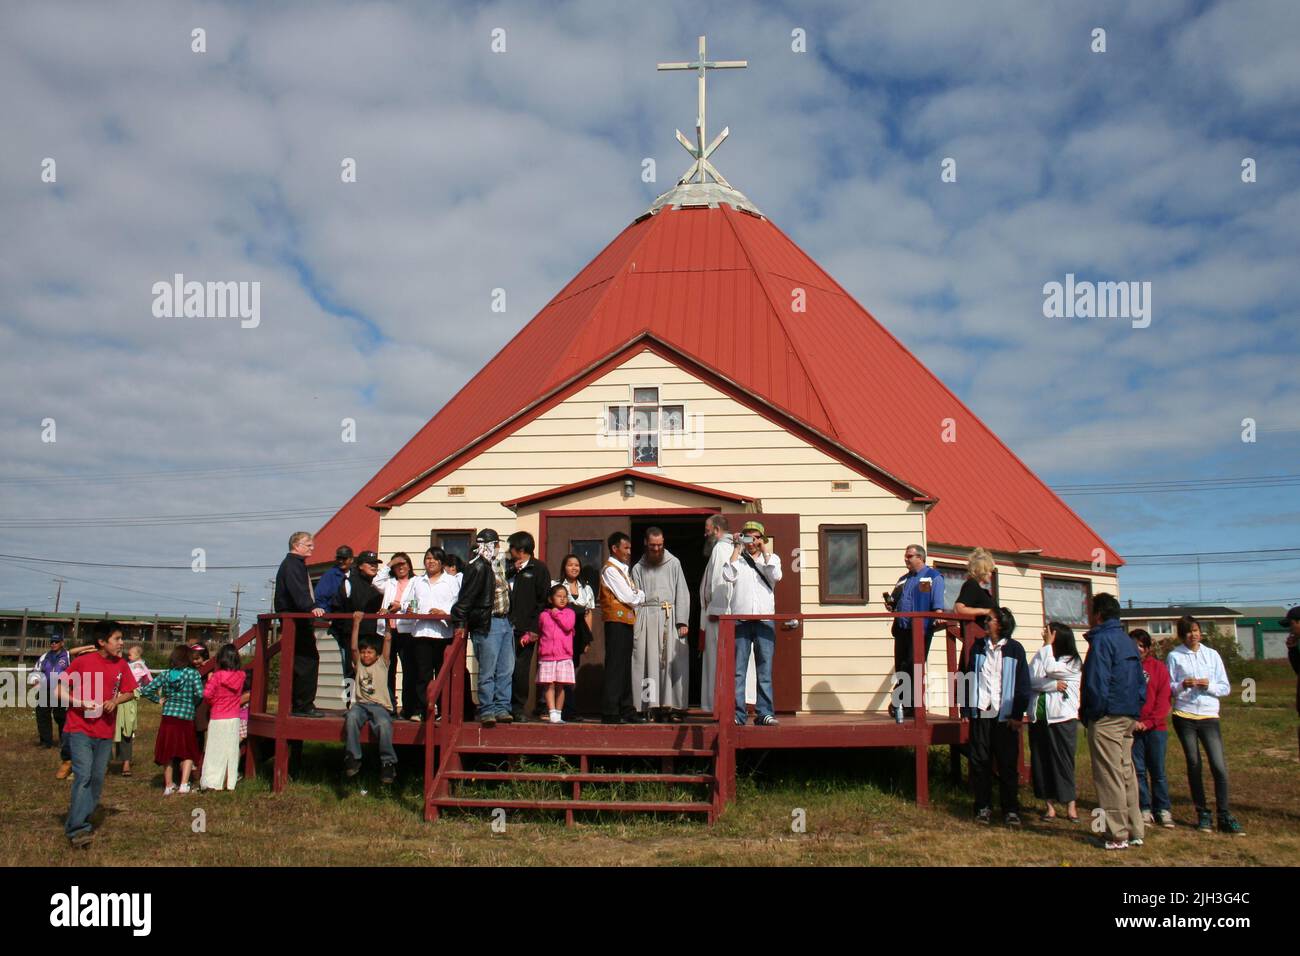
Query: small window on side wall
842	563
1066	600
457	542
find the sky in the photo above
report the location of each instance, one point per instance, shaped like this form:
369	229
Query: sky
481	169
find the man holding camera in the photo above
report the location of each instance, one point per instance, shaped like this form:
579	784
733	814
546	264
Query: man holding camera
920	589
752	573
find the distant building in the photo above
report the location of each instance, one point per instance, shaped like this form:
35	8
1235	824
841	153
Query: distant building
1258	629
26	633
1160	622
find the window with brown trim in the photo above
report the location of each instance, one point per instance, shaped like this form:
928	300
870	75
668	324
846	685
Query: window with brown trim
842	563
457	541
1067	600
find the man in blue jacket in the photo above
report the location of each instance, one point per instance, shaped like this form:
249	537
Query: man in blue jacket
1114	690
331	593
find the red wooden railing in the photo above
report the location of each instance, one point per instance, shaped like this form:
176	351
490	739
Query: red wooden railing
959	628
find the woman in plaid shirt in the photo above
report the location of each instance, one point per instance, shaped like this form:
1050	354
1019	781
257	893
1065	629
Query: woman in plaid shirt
181	688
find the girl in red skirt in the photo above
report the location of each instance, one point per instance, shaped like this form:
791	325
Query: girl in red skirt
181	688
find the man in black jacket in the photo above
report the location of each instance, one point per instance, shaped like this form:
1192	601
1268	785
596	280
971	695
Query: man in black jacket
483	608
293	593
530	583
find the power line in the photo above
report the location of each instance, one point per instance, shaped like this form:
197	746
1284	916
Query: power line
116	587
143	521
1177	485
141	567
179	474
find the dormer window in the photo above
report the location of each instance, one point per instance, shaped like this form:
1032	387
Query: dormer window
644	420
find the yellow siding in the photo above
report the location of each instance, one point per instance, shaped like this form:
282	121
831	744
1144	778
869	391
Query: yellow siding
846	664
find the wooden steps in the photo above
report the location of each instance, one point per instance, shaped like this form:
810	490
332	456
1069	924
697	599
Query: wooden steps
619	806
565	777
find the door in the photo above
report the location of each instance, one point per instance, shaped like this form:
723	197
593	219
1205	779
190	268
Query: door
787	665
585	536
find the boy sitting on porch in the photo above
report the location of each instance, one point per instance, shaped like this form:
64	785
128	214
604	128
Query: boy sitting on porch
370	702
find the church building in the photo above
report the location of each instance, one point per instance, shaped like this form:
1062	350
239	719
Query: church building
702	363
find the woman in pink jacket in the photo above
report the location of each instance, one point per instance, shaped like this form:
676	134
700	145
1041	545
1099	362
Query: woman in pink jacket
1151	738
555	652
225	694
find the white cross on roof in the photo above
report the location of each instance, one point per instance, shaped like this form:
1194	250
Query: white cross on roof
702	168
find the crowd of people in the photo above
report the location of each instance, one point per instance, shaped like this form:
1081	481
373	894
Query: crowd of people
510	608
1120	691
505	600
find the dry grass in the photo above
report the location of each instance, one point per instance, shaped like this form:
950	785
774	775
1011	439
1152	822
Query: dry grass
858	807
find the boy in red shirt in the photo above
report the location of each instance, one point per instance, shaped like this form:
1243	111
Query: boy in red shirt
91	688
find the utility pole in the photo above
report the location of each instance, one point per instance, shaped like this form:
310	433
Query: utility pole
237	591
59	593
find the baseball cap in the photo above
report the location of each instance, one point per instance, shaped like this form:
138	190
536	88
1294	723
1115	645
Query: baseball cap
343	553
56	634
367	557
756	527
487	535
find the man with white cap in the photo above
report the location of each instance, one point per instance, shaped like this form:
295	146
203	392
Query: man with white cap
753	573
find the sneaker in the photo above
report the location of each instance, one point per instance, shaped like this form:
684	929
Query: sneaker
1011	819
1135	841
739	722
1205	822
767	720
1115	844
388	773
1166	819
312	712
65	768
1228	824
507	718
351	765
1148	818
168	791
487	721
81	840
984	816
183	788
556	717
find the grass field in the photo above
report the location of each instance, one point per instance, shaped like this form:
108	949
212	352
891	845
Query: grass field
858	808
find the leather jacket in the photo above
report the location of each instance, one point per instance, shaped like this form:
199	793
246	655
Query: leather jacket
473	607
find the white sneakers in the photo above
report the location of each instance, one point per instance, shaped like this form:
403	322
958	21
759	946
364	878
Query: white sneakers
556	717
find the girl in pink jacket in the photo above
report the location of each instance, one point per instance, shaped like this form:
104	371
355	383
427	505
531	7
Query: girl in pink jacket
555	651
225	694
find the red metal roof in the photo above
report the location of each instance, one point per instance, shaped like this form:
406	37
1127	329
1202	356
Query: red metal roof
717	285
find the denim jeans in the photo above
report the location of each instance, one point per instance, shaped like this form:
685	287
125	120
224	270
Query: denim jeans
90	763
361	713
1149	758
494	649
1194	734
761	636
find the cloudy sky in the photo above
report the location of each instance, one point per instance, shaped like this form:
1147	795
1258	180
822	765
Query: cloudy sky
479	170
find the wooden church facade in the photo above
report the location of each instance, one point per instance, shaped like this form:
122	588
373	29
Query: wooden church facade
703	362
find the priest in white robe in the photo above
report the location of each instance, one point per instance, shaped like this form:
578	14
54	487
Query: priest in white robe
661	656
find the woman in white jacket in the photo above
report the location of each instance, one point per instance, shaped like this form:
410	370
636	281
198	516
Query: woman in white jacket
1197	680
1055	674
